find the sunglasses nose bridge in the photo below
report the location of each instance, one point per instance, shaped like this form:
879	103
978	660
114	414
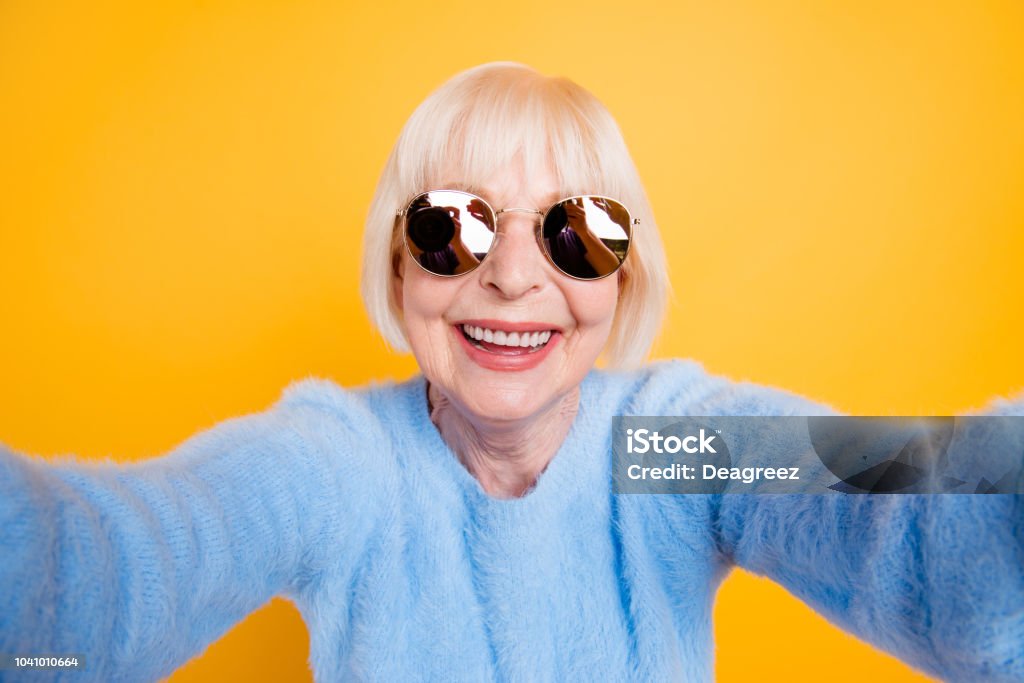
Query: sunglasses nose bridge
509	233
517	209
536	215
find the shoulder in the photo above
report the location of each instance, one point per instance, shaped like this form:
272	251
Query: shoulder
685	387
362	407
322	394
357	425
661	387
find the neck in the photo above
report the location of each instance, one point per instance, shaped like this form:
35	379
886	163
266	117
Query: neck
505	456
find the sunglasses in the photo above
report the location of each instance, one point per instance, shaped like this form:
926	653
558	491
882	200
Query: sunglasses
450	232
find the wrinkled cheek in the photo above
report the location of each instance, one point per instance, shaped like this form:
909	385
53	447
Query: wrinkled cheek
430	346
429	334
594	310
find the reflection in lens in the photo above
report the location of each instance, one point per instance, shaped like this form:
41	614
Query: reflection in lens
448	232
587	237
431	228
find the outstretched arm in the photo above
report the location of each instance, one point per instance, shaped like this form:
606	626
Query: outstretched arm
139	567
937	580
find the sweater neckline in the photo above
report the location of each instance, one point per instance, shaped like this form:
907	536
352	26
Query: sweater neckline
560	478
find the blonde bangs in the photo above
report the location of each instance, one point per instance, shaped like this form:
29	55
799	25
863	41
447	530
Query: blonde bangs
515	117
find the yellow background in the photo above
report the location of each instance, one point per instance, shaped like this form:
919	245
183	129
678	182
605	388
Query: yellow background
840	188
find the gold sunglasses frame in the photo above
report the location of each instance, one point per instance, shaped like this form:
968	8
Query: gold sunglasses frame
538	229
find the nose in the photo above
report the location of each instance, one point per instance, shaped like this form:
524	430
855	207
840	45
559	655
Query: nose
515	266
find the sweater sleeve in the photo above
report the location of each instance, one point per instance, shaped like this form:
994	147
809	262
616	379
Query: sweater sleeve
936	580
139	567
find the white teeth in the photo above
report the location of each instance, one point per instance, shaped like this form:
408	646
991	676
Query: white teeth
511	339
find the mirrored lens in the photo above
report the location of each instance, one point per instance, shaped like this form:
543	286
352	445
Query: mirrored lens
448	232
587	237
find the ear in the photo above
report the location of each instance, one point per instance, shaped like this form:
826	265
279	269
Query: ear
397	280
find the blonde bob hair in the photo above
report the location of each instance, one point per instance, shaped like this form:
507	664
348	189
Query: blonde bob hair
485	119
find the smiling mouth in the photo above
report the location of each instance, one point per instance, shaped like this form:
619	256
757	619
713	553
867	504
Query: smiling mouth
506	343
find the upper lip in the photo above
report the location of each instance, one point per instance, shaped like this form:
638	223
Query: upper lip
509	326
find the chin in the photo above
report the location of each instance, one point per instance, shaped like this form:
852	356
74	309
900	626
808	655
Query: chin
506	397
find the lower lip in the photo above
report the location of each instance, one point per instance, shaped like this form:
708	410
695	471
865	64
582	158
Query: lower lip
509	363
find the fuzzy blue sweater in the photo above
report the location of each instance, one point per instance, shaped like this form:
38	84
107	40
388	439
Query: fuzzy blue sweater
349	503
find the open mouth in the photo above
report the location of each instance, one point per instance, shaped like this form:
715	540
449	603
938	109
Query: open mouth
506	343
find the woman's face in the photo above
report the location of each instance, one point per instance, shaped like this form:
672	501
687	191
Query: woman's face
515	290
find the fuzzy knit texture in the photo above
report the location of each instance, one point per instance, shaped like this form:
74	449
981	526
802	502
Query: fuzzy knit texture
349	503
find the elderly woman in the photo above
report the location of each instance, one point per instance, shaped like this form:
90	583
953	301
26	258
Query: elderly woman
463	525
